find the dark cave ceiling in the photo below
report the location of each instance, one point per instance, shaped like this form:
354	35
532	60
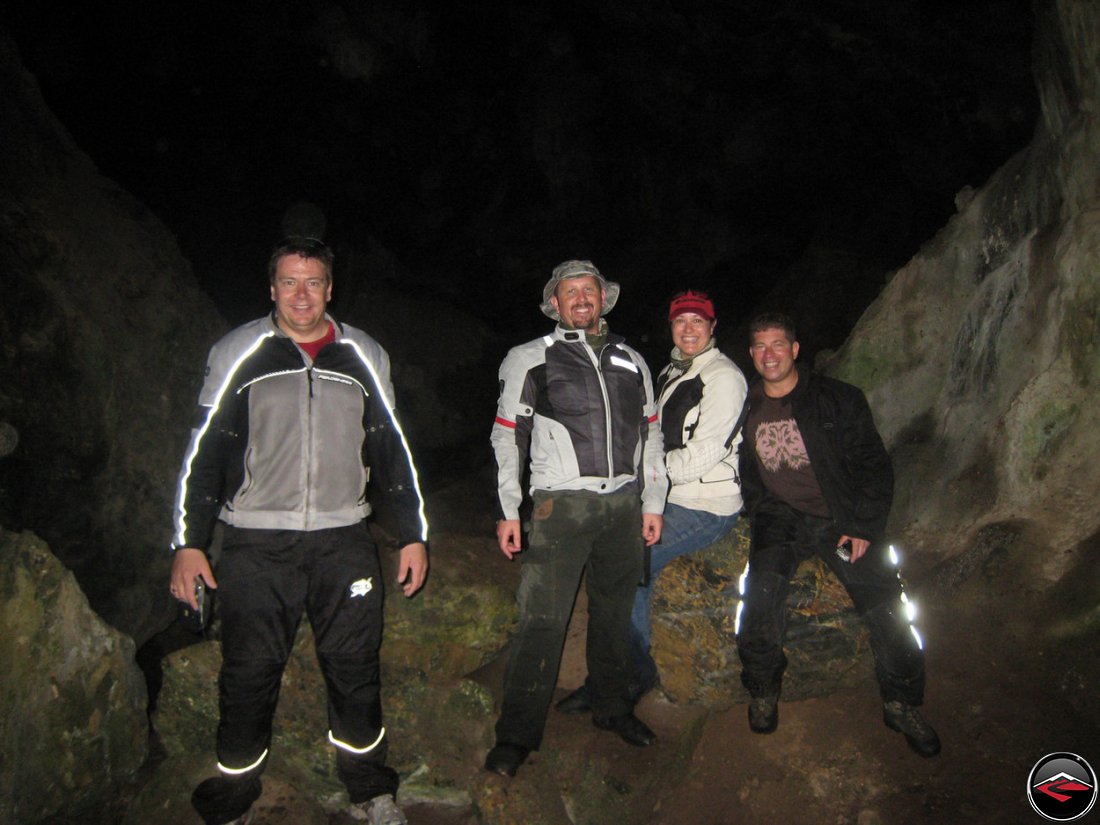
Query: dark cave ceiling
675	143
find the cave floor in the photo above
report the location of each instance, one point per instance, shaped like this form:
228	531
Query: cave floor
1002	693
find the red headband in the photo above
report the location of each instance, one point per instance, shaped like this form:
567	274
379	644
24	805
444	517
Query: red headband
696	302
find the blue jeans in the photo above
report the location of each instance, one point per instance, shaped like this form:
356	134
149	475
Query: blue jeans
685	531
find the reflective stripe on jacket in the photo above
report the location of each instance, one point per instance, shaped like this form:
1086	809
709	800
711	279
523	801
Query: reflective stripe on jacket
289	443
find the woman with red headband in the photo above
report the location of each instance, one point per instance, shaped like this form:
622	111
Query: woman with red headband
701	404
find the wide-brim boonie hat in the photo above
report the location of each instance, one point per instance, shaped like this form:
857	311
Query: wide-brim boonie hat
578	269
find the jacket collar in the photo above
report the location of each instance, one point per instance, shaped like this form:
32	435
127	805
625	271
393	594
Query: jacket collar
274	327
572	336
698	361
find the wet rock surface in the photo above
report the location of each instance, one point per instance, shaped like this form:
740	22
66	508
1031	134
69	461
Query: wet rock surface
694	620
73	726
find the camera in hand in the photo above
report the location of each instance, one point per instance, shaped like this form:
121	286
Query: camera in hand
197	620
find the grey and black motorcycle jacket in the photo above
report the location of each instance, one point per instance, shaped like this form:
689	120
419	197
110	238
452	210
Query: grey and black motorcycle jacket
288	443
584	420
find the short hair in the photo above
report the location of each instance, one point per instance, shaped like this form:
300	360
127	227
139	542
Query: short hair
773	320
305	247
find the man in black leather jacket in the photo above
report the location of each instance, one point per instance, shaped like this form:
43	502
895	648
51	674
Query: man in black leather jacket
817	480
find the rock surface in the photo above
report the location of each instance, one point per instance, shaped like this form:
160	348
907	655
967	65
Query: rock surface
435	716
695	643
104	335
442	679
980	356
74	720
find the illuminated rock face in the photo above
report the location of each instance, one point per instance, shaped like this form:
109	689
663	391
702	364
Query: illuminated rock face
74	720
980	357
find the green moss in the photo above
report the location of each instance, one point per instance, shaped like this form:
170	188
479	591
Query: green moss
1081	332
1043	434
470	700
867	365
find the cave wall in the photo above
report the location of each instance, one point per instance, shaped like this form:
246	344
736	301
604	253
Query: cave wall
104	334
980	356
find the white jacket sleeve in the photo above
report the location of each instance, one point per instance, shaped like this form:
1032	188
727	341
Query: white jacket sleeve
511	435
654	478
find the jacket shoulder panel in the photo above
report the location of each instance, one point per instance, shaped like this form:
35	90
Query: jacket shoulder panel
517	364
229	352
374	351
373	355
834	387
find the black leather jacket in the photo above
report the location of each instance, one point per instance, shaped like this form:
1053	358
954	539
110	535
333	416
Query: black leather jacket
845	450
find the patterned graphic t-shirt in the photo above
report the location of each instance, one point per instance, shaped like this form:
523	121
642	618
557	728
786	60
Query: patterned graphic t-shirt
781	455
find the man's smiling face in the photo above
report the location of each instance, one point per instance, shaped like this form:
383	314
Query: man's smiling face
579	302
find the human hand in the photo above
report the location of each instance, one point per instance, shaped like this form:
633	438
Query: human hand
188	563
652	524
412	568
859	547
509	538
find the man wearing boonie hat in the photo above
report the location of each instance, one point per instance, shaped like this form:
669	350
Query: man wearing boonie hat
701	408
577	406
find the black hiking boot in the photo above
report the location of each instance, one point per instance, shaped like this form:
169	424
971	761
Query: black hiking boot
764	713
906	719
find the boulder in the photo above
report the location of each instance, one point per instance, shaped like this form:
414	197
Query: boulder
74	723
694	619
104	334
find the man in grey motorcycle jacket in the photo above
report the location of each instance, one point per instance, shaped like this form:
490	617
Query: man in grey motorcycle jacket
296	416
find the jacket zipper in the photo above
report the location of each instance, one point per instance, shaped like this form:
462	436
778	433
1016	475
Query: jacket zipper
598	360
309	448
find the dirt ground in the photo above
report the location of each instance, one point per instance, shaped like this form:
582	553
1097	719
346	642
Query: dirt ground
998	703
1002	692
